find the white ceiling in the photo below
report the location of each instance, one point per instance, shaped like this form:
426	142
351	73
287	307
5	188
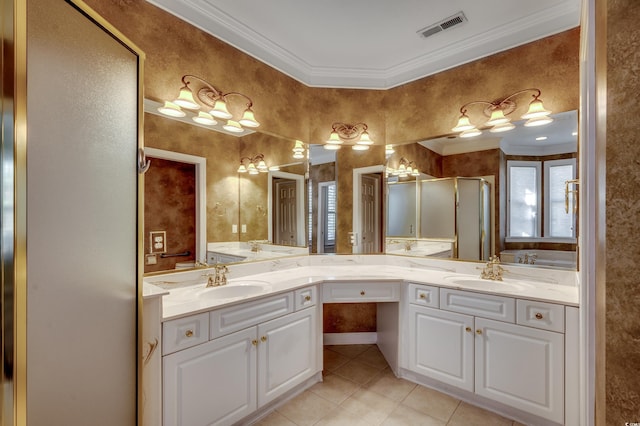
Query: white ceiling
372	44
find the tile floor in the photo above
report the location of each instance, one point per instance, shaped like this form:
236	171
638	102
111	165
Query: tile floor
360	389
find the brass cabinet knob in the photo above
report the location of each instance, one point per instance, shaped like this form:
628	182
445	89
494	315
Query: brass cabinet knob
539	315
263	338
478	332
307	298
423	296
468	329
254	342
188	333
362	293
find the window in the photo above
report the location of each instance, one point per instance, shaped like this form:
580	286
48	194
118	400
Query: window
536	195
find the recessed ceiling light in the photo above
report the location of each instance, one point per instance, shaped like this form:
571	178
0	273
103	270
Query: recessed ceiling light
541	138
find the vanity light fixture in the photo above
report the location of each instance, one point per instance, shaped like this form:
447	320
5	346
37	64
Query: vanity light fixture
405	168
388	149
254	165
298	150
208	97
355	134
498	113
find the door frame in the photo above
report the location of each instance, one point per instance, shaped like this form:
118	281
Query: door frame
201	193
300	210
356	224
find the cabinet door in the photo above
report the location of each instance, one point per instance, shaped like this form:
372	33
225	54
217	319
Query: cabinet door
522	367
441	345
286	353
213	383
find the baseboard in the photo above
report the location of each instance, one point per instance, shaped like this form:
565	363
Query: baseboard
350	338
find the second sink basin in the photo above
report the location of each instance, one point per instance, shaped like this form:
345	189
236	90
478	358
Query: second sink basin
489	285
233	290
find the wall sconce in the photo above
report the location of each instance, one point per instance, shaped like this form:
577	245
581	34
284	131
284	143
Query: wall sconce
255	165
405	168
209	97
497	111
388	150
298	150
352	133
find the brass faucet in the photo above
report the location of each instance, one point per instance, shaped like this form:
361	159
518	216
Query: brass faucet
217	278
492	270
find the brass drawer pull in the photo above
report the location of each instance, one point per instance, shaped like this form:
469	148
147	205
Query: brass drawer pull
423	296
188	333
263	338
307	298
478	332
539	315
254	342
362	293
468	329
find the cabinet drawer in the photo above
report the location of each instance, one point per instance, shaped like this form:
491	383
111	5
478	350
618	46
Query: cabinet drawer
547	316
184	333
360	292
234	318
423	295
477	304
305	297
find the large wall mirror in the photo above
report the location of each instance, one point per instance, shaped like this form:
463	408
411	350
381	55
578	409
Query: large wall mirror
199	208
510	194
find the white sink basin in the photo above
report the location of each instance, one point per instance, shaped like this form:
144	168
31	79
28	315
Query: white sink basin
230	291
489	285
234	289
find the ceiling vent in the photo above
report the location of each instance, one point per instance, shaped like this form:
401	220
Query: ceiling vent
445	24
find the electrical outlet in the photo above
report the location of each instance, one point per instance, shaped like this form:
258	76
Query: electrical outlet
234	228
244	228
158	240
152	259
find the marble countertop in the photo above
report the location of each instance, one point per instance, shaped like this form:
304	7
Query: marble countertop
281	276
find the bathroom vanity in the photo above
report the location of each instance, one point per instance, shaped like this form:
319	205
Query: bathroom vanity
235	352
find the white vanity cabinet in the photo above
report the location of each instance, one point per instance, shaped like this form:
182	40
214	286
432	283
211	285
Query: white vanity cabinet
471	341
257	352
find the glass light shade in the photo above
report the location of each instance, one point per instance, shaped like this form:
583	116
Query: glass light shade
242	169
504	127
402	168
538	121
299	147
360	147
415	172
233	126
409	169
497	118
262	166
248	119
403	174
388	150
171	109
220	110
298	155
252	169
332	146
274	168
185	99
334	139
470	133
536	109
463	124
365	139
204	118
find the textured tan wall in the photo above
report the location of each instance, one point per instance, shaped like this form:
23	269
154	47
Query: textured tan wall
169	205
622	213
427	161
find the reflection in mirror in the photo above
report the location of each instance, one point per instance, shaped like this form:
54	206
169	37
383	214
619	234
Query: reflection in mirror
231	226
323	195
525	176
